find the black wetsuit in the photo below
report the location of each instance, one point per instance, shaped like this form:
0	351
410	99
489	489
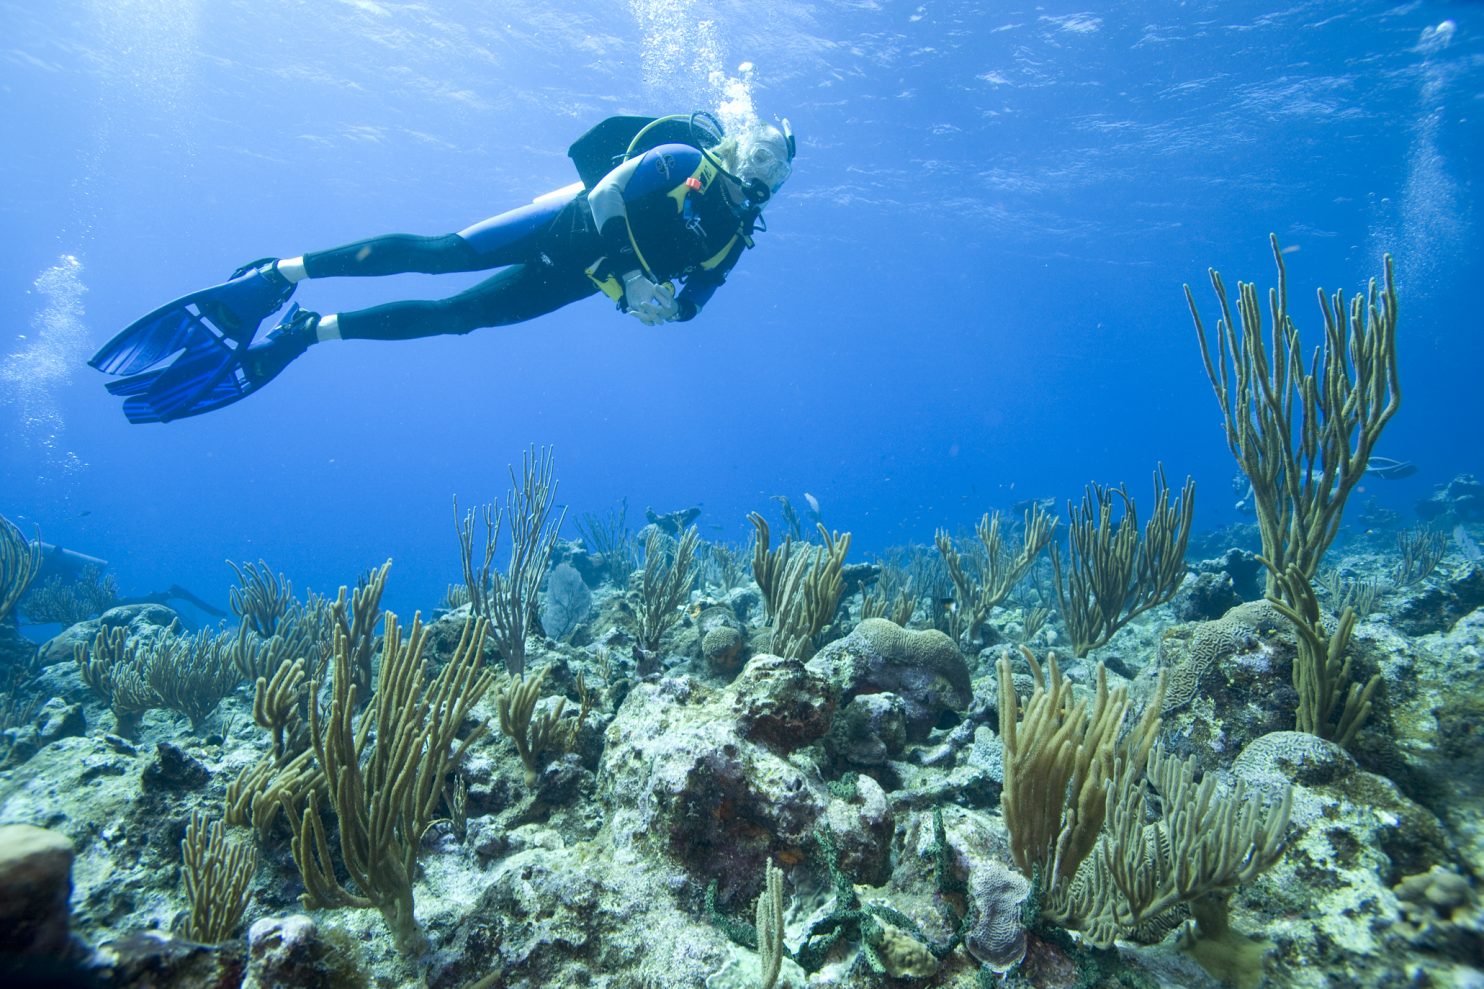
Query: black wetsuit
666	213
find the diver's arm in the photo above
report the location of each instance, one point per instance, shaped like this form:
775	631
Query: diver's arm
698	290
610	213
701	285
642	294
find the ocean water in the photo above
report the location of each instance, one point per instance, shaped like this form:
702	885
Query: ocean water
968	295
969	292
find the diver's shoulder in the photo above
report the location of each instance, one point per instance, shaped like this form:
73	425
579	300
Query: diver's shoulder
683	152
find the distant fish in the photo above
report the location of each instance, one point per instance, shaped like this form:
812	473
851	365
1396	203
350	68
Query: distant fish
1467	546
1388	469
813	502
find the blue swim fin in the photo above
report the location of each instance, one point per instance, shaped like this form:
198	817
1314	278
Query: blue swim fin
212	373
204	332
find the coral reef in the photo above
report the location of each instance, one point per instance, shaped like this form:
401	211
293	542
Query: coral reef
661	773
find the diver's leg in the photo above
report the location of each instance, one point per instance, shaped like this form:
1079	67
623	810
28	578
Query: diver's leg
518	293
392	254
509	238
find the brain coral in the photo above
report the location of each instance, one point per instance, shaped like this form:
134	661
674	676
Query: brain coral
1240	630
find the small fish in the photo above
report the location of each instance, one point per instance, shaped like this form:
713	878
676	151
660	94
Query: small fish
813	502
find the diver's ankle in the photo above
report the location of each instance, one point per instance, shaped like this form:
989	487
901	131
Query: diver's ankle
292	269
328	328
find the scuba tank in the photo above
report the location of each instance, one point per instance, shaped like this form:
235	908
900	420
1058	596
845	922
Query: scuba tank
613	141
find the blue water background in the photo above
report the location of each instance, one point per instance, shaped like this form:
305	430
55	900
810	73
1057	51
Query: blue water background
969	294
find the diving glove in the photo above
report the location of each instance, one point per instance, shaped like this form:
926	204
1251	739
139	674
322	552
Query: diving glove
647	302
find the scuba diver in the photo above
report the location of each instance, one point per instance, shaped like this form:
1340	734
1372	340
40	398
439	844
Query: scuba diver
1383	467
658	200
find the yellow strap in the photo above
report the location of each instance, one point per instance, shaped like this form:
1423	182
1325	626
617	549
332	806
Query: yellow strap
608	285
720	255
705	174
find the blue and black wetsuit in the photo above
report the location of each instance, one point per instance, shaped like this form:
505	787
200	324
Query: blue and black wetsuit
670	214
666	212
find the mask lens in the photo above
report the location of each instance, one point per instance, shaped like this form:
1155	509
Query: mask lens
766	158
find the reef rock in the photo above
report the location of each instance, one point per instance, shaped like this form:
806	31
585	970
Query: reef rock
1227	682
1434	719
293	953
869	730
1241	567
16	651
1204	596
153	959
172	768
35	885
587	914
1436	604
1328	904
1460	500
88	789
55	720
703	777
780	702
137	619
926	669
